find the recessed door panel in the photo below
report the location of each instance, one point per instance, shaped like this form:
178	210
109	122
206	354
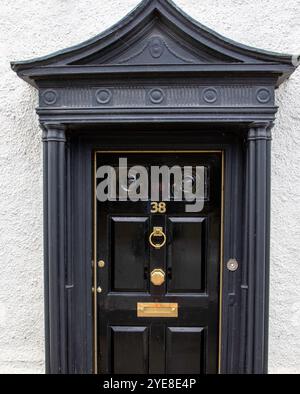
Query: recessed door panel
185	350
129	253
187	254
129	350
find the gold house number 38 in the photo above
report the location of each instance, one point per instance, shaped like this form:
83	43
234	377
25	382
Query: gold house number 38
158	207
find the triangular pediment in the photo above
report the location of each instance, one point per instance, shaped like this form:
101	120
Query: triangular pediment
155	42
156	34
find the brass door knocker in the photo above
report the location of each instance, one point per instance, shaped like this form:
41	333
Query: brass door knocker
158	233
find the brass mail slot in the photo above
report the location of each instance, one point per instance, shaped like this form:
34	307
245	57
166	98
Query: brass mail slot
157	310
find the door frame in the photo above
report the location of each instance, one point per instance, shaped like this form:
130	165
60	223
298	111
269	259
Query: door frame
77	317
95	281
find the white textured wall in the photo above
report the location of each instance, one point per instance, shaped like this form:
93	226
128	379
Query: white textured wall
36	27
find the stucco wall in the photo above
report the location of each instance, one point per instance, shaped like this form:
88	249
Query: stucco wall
36	27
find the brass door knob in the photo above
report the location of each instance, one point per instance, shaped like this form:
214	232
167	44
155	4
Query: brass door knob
101	264
158	277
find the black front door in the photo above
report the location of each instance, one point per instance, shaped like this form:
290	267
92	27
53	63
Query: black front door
158	270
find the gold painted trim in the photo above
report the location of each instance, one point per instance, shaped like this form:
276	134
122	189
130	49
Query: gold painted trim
221	240
221	261
95	270
158	151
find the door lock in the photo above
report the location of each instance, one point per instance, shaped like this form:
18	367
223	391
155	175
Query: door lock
158	277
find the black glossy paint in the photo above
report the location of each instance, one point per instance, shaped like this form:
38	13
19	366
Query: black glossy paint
191	261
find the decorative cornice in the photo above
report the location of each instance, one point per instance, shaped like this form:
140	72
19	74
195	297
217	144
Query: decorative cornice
211	115
203	47
142	95
54	132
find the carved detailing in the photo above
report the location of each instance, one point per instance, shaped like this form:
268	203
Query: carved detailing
50	96
134	55
103	96
70	97
74	96
178	56
54	132
156	96
260	131
133	96
237	95
157	46
210	95
184	96
263	95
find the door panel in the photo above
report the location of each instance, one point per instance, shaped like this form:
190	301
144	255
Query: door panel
131	341
183	271
129	253
186	255
185	350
